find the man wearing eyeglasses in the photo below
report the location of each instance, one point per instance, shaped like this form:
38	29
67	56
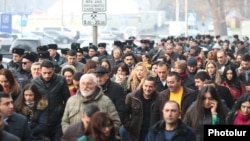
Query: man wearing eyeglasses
24	72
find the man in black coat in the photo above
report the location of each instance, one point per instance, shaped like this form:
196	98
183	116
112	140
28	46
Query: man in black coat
17	123
112	89
55	88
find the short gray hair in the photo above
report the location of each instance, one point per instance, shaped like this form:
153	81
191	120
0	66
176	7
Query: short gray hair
89	75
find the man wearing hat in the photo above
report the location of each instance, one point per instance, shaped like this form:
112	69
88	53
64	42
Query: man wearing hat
131	40
15	63
52	48
42	48
118	44
208	42
24	73
191	67
102	53
64	52
79	55
235	42
110	89
144	48
218	40
246	41
74	46
43	55
92	52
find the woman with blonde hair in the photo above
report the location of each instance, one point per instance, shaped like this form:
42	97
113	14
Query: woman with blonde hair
213	71
138	74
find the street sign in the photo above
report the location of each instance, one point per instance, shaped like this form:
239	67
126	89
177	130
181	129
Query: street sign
24	20
93	5
94	19
6	23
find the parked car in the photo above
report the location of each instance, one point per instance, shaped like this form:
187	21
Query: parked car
5	61
5	41
62	29
107	35
44	34
60	36
30	44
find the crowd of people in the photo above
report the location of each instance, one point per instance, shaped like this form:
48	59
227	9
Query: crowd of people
161	90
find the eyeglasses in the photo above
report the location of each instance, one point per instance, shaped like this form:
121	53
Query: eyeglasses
25	63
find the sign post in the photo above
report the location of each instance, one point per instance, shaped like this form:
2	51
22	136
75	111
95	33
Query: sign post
91	17
6	23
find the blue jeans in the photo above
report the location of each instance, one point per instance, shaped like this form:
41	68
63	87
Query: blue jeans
124	134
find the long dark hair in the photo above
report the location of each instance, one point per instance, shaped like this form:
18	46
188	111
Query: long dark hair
243	98
199	110
235	81
97	122
20	101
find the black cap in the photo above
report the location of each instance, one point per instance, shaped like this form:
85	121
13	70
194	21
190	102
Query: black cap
93	47
52	46
101	70
192	61
131	38
75	45
85	49
19	51
64	50
145	41
79	50
43	54
30	56
102	45
42	48
118	43
236	36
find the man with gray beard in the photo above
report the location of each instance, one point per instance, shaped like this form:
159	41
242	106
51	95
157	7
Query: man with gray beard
89	92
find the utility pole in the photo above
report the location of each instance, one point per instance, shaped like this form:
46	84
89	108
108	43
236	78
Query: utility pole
186	18
177	10
177	15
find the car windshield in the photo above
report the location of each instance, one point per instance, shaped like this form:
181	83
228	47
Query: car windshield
27	44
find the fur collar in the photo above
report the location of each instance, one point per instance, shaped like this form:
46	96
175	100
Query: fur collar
41	105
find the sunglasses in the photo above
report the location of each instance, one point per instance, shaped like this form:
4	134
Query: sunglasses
25	63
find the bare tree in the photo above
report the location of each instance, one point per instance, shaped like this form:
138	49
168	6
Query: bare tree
218	16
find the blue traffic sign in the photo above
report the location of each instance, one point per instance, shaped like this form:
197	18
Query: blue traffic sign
24	20
6	23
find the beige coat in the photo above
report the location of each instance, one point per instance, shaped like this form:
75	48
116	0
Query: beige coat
76	104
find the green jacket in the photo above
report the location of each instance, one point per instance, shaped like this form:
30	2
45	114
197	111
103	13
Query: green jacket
76	104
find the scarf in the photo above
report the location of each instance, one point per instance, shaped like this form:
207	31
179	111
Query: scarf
183	75
241	119
30	104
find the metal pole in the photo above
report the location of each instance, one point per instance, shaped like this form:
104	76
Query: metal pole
177	16
186	18
177	10
95	35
